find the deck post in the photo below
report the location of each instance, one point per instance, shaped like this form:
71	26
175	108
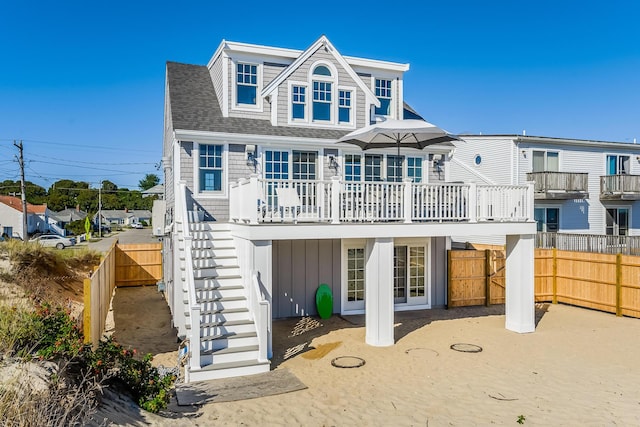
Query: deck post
519	283
253	198
472	206
408	200
335	200
379	292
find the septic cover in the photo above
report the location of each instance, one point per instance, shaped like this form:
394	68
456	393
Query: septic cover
466	348
348	362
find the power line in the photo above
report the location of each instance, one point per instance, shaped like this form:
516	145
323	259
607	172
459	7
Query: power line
83	167
93	163
84	146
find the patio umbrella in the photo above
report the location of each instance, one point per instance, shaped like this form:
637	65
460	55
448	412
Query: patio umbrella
398	133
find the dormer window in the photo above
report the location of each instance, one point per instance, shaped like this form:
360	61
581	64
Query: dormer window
246	84
383	93
322	93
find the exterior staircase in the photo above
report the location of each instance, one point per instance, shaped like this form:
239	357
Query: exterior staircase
229	345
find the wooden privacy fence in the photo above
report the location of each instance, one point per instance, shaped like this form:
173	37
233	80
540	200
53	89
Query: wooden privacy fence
138	264
476	278
122	265
602	282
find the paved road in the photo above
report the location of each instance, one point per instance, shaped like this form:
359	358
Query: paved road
127	236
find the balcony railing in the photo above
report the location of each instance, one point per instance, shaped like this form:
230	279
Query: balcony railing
560	185
620	187
256	200
594	243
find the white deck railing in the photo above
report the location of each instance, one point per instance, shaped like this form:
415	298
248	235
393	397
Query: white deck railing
258	200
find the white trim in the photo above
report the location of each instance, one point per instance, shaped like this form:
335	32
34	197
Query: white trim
290	119
607	154
322	41
294	53
196	173
354	107
546	151
259	107
345	245
225	85
273	104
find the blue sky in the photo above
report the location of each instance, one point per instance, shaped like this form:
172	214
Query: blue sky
82	83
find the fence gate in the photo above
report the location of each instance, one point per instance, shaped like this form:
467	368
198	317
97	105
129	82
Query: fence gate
476	277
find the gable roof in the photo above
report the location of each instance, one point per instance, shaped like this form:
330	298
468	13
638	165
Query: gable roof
68	215
321	42
16	203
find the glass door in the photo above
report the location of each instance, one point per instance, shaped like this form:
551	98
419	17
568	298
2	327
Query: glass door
355	279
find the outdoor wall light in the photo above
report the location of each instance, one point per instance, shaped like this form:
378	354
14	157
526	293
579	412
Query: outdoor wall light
524	153
250	149
333	163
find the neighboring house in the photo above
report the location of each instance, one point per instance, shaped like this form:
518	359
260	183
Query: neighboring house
156	190
58	220
123	217
11	217
581	186
262	204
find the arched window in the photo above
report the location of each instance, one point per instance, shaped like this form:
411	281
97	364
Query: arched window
322	93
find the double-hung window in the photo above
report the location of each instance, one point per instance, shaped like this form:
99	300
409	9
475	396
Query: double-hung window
373	167
246	84
383	93
304	165
545	161
617	165
298	100
322	93
210	167
352	167
414	169
344	106
394	168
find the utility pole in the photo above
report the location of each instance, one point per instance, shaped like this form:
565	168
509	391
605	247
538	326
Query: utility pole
25	230
100	210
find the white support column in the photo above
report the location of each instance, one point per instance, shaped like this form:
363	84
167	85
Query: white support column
520	301
407	199
253	196
379	292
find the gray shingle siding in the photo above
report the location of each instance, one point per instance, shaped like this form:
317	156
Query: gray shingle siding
195	106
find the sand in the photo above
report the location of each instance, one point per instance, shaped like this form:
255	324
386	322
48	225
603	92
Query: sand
580	367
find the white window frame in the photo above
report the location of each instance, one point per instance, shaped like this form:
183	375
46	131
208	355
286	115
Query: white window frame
352	115
290	119
420	159
546	151
424	302
383	165
618	156
394	94
259	107
346	245
223	194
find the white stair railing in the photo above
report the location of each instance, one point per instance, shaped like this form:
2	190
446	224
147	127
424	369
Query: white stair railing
260	308
193	307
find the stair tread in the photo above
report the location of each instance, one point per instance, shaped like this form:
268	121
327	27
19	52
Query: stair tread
227	323
230	350
231	365
222	299
221	288
225	310
229	336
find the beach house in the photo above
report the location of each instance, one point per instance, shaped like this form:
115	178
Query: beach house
581	186
263	204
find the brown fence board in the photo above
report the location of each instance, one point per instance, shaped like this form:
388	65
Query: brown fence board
138	264
605	282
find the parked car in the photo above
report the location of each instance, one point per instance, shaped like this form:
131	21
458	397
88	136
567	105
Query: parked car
55	241
137	225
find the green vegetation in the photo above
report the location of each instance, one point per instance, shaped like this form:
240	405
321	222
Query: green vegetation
41	332
67	193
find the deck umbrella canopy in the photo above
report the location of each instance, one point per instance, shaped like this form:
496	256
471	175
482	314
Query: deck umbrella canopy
398	133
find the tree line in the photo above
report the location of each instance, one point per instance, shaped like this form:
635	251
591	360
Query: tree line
67	193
